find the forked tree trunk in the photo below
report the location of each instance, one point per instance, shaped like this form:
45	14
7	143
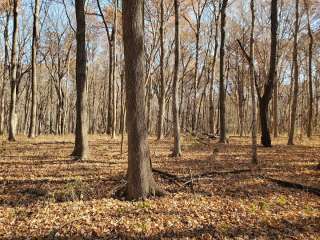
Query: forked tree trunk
13	83
141	183
295	76
175	110
162	83
268	86
81	132
222	93
33	117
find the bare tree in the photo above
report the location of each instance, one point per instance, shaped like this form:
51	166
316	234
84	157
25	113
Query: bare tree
295	76
222	93
81	134
33	116
310	60
13	83
252	80
141	183
5	76
175	112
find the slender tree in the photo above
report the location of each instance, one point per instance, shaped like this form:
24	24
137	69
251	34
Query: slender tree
33	116
175	108
222	93
81	134
5	76
295	76
212	78
114	106
162	82
310	62
13	82
252	79
141	183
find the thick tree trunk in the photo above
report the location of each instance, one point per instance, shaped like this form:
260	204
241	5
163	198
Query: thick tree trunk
81	132
141	183
268	87
13	83
162	83
222	93
33	117
296	78
175	110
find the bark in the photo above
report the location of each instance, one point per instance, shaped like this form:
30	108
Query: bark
175	110
222	93
295	77
196	73
310	85
252	79
162	83
141	183
268	86
13	82
211	94
275	110
81	132
114	107
5	76
33	117
109	116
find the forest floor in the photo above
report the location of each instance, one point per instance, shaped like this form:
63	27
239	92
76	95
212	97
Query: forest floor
213	191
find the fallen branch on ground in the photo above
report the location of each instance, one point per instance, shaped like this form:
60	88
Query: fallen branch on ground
299	186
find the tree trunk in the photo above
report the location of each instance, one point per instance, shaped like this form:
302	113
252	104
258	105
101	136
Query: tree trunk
195	85
275	110
268	87
222	93
295	76
253	96
33	117
310	49
175	110
211	95
141	183
5	76
162	83
81	132
109	116
13	98
114	107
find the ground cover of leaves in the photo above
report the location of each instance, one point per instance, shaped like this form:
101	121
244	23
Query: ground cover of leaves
46	195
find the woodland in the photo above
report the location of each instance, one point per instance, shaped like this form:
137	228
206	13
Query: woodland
159	119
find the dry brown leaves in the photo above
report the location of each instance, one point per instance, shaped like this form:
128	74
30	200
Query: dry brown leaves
45	195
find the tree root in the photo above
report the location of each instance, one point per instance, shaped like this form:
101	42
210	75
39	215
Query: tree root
120	192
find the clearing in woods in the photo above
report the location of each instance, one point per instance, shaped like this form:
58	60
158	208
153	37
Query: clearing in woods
212	192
